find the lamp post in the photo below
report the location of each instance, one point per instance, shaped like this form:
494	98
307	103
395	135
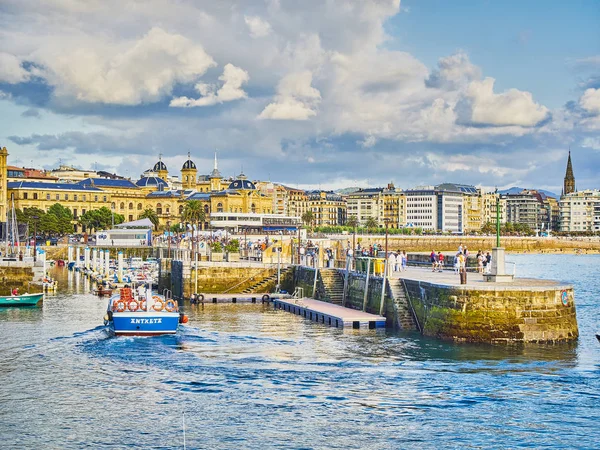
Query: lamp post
35	219
169	237
387	222
497	218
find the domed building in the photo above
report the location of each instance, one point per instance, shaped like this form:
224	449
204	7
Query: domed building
188	174
160	168
241	197
152	182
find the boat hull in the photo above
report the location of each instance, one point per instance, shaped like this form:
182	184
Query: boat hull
21	300
144	324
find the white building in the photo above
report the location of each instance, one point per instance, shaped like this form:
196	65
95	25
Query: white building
580	211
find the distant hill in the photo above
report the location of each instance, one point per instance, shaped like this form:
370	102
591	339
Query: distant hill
348	190
516	190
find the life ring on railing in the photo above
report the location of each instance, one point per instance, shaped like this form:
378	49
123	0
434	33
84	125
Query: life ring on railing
170	305
158	301
133	305
143	305
200	297
120	305
266	298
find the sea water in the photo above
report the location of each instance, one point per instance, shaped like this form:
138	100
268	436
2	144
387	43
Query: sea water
246	376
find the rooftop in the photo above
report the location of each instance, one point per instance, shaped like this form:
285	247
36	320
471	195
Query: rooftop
52	186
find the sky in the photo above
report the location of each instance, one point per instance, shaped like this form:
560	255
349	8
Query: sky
315	94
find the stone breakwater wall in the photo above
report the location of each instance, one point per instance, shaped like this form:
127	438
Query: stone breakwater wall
495	315
543	313
18	275
511	244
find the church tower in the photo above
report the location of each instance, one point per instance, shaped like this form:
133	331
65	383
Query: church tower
569	183
215	178
188	174
3	183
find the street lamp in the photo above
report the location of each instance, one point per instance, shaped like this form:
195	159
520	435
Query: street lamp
35	219
497	218
169	236
387	222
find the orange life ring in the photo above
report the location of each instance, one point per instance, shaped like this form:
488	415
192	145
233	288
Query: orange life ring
158	300
133	305
143	305
170	305
120	306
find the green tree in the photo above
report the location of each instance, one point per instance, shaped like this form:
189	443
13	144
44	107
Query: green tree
193	212
149	213
488	228
352	222
371	223
64	219
100	219
308	218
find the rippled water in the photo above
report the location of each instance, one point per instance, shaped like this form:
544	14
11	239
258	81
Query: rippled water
246	376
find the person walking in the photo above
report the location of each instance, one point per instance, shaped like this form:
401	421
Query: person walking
392	262
479	262
440	261
404	260
433	260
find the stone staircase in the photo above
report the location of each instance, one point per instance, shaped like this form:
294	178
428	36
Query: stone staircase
265	285
333	284
406	320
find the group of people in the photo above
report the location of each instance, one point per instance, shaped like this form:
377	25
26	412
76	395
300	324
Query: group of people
398	260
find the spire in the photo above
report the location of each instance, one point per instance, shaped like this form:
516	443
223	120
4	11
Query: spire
569	182
215	173
189	155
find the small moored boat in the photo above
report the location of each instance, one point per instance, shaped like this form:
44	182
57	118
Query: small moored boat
20	300
135	313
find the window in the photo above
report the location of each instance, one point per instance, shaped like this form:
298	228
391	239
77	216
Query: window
220	207
95	198
25	195
35	196
84	198
104	199
122	205
66	196
47	196
159	208
75	197
139	206
130	205
57	196
180	209
74	213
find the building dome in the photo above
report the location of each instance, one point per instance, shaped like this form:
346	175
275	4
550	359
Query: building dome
151	182
159	166
242	184
189	164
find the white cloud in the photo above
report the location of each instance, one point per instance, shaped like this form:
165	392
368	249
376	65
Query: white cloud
590	100
481	106
296	99
141	71
11	70
453	72
257	26
233	78
591	142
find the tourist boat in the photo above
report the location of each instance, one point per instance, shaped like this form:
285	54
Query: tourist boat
130	314
20	300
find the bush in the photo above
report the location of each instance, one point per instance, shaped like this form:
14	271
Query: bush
233	246
216	247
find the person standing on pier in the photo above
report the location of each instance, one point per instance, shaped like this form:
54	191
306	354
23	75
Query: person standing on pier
392	262
404	260
433	260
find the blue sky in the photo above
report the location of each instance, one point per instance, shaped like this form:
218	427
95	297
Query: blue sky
313	94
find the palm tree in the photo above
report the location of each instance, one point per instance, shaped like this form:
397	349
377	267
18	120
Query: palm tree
149	213
352	222
308	217
371	223
193	212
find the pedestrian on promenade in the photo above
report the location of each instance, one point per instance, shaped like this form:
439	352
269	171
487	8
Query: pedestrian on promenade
462	261
392	262
457	262
404	260
460	248
433	260
480	261
440	261
488	265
